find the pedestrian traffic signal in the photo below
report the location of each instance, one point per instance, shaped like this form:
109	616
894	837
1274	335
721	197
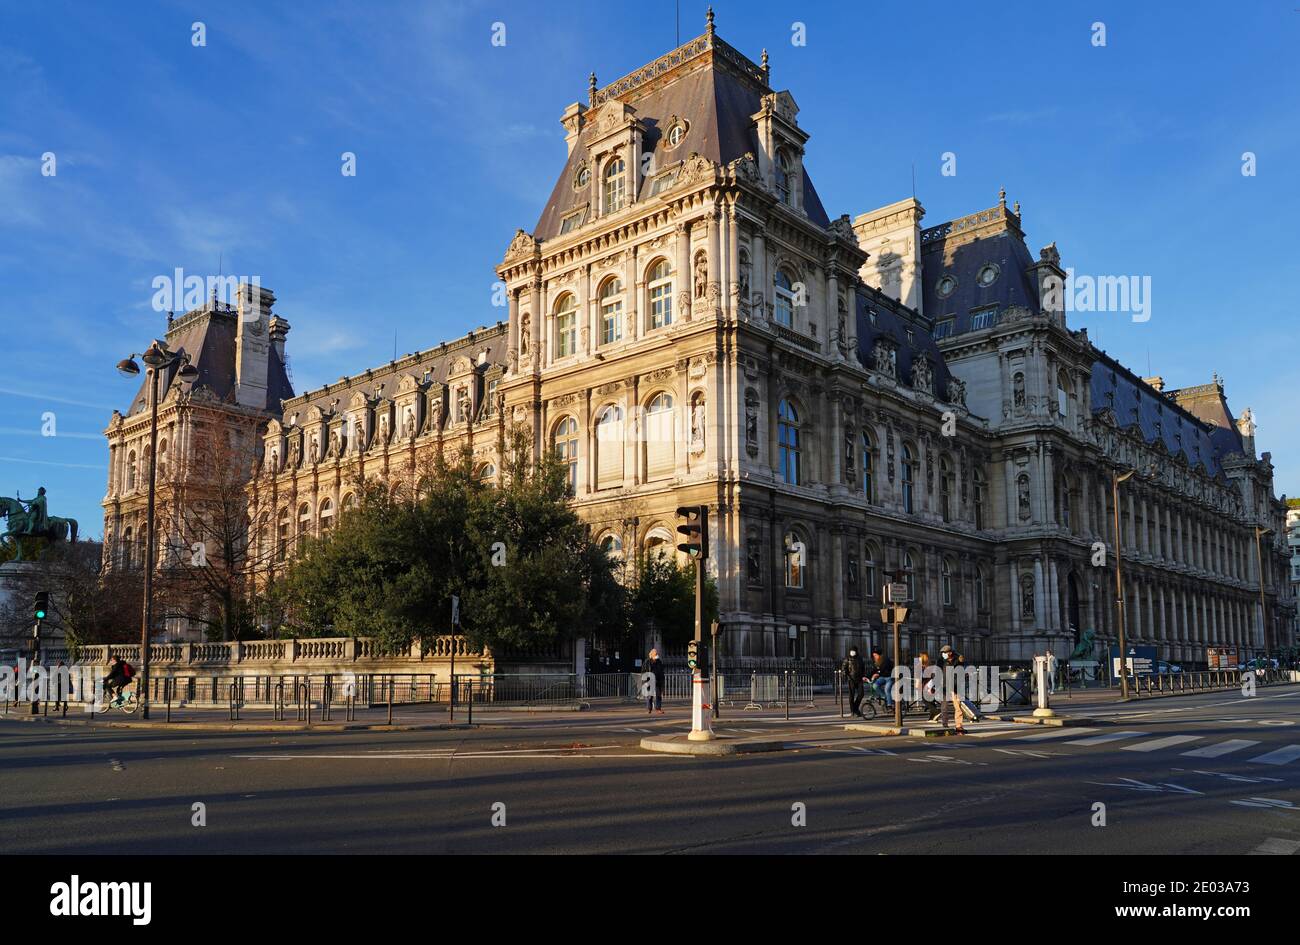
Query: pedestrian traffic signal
695	527
693	660
42	604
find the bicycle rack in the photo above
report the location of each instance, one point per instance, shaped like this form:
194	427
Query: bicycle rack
304	701
234	703
277	703
326	699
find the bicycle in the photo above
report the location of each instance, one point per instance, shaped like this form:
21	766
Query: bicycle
126	701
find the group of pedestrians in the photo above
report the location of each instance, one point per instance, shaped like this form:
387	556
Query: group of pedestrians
877	673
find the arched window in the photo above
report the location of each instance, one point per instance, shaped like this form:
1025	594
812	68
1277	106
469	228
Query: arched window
130	471
350	500
796	560
659	289
660	442
783	307
282	535
611	311
907	472
787	429
945	581
783	177
326	516
909	575
304	524
615	185
487	473
868	467
980	495
945	488
566	326
565	441
658	543
869	577
612	545
609	447
1062	394
421	490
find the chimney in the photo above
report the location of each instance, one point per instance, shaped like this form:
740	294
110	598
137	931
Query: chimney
279	329
252	345
1157	382
573	123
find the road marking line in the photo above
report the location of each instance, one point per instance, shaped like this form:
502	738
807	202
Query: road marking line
1055	733
1222	748
1275	846
1280	757
1108	737
1159	743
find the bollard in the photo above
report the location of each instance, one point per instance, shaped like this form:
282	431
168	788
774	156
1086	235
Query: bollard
1044	710
168	686
350	712
327	699
470	703
234	705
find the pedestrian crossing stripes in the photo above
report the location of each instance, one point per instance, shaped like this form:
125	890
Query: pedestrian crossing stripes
1280	757
1102	739
1221	749
1143	742
1157	744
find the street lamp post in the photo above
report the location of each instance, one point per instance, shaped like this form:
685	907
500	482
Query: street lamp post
1115	479
155	358
1263	605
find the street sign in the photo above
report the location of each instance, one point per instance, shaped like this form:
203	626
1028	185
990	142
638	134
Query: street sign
896	593
1141	660
455	611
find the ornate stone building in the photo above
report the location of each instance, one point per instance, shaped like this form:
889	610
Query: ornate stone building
851	398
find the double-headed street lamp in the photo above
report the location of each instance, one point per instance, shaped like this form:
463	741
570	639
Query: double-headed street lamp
1260	532
155	359
1116	477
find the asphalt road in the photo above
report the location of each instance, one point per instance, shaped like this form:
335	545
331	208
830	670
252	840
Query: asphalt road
1210	774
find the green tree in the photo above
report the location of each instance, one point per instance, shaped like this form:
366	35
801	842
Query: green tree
516	554
664	599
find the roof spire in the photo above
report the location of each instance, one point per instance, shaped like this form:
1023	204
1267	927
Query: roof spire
591	90
708	21
1016	208
1002	196
767	73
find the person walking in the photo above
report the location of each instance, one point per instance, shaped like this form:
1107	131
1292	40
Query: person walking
655	667
855	672
952	663
1051	671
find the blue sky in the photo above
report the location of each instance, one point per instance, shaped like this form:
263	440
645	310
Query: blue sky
168	155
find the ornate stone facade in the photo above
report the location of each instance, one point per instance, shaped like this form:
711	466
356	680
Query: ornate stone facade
688	325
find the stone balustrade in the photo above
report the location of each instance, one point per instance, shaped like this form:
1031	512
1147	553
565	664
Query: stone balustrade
359	654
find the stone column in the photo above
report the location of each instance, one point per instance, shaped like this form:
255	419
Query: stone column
683	280
758	274
713	290
513	298
634	292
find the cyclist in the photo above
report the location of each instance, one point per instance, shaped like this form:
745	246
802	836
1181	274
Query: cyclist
120	675
880	673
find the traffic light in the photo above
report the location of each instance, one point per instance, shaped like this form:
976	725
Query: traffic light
695	527
42	604
694	660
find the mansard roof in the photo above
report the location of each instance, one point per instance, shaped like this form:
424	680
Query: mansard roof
1161	416
707	84
433	365
207	335
892	322
961	248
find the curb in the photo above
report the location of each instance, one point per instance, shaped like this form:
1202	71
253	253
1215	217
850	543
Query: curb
912	732
680	745
245	726
1060	721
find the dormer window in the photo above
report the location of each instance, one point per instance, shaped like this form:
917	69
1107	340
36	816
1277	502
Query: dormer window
783	178
615	185
572	221
582	178
676	134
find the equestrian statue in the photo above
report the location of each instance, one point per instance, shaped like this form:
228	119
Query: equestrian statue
29	519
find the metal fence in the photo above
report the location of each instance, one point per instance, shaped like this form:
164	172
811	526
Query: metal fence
1204	680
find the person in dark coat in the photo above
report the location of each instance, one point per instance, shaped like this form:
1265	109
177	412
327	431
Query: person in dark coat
855	671
880	674
655	667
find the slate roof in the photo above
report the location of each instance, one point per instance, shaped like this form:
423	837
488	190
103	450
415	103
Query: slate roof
207	335
948	250
435	362
1161	416
893	321
714	97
